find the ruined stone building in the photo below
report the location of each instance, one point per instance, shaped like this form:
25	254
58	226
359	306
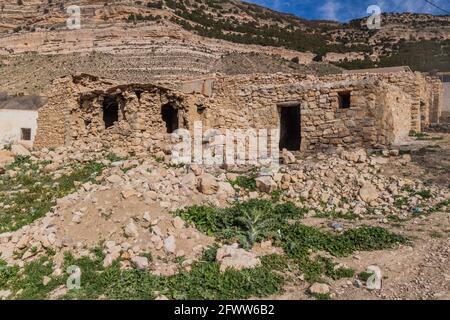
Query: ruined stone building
373	110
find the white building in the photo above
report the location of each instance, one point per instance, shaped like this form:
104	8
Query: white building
18	119
445	77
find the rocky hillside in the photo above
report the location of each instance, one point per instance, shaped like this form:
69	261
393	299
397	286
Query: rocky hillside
166	39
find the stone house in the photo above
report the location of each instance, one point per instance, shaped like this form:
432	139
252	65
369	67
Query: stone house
313	114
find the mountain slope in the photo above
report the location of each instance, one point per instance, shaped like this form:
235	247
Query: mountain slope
174	39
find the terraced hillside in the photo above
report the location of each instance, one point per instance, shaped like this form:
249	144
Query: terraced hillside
166	39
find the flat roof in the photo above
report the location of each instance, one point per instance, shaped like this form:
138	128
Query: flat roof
30	103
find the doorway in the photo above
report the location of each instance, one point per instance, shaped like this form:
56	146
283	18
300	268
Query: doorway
290	127
110	111
170	117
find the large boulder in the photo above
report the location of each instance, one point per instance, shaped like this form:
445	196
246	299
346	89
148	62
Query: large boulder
231	256
208	184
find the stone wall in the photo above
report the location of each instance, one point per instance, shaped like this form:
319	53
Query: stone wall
382	110
374	119
437	103
80	119
51	122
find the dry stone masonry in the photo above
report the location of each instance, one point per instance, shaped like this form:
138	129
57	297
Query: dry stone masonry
313	114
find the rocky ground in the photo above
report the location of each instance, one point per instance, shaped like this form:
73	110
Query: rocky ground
327	217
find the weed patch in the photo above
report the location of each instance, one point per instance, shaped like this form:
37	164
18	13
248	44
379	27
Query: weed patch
204	281
31	193
247	222
27	284
246	182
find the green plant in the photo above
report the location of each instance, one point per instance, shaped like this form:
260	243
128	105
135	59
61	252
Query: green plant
210	253
204	281
32	192
425	194
250	221
364	276
336	215
28	282
320	296
276	195
114	158
298	239
439	206
436	235
255	223
246	182
159	159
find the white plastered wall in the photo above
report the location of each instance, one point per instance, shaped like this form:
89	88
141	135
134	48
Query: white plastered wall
11	123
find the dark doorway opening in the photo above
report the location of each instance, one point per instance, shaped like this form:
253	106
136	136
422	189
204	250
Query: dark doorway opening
344	100
170	117
290	127
110	111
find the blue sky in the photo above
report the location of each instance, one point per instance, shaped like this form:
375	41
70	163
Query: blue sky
344	10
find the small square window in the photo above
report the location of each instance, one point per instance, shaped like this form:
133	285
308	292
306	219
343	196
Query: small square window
25	134
344	100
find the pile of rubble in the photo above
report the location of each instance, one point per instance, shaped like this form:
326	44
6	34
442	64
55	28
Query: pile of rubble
129	213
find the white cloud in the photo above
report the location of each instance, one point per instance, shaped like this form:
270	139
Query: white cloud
330	10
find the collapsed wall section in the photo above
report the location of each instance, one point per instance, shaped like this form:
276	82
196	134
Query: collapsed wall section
135	117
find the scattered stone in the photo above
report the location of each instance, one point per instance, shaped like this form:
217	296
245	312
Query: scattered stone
338	227
140	263
231	256
19	150
6	158
23	242
178	223
128	193
114	179
319	288
147	217
208	184
131	230
46	280
265	184
368	192
189	180
288	157
170	244
5	294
